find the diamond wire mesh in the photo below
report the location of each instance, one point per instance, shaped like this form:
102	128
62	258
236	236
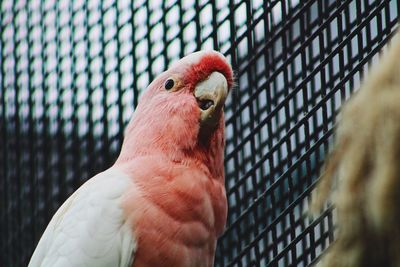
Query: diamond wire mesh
71	73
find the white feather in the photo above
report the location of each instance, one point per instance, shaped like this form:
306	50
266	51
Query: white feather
89	229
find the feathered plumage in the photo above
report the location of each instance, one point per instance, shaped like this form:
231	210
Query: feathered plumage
163	202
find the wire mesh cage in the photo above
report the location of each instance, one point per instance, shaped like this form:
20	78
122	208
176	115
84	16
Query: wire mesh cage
72	71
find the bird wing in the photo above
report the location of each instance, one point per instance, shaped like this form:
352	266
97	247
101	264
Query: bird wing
89	229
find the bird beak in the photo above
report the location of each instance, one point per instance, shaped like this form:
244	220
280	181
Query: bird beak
210	95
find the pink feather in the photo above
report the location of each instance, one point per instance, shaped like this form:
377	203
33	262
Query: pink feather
182	208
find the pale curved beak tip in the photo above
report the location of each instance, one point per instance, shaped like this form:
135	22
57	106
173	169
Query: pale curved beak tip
211	95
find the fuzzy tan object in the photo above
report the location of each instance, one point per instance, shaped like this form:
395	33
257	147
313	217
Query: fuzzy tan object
365	168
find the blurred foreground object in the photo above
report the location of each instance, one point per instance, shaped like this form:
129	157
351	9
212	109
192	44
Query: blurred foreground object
365	162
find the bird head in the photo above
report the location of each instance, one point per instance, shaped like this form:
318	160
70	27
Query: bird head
181	111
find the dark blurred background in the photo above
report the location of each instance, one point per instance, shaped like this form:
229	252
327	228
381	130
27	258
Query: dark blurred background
71	73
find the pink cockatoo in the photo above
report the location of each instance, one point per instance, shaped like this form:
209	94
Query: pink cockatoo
163	202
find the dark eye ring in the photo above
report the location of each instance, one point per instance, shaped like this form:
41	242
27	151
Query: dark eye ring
169	84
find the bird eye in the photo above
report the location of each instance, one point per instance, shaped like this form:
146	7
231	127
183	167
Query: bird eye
169	84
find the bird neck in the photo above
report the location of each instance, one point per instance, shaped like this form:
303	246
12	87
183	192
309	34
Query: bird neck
208	155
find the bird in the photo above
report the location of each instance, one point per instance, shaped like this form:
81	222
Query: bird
361	176
163	202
